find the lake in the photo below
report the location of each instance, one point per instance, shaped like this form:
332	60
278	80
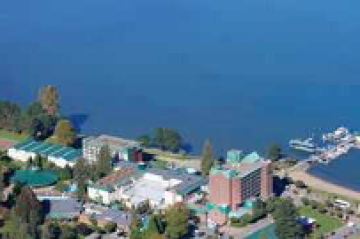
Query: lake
243	73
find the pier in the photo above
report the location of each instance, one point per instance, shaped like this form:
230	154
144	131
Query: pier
340	142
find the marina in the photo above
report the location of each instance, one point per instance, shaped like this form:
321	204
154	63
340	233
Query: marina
333	145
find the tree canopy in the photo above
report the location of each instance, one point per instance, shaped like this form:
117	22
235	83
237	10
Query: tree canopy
167	138
177	218
9	115
274	152
49	99
33	119
64	133
207	160
285	215
81	175
144	140
104	162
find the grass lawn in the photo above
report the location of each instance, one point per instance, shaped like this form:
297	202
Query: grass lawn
326	223
168	156
334	196
12	136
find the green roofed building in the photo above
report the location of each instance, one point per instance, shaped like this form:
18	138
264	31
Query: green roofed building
56	153
234	156
35	178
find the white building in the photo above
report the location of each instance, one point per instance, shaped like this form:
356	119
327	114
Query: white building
119	147
161	188
56	153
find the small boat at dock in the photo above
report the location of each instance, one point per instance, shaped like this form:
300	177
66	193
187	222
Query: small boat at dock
303	145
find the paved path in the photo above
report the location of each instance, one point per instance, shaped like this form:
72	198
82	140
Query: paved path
346	232
240	233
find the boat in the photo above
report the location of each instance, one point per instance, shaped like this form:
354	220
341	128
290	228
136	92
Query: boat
303	145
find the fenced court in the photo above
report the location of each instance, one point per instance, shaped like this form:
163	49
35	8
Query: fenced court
9	139
6	144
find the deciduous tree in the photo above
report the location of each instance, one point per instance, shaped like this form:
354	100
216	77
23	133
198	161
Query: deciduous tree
49	99
167	138
177	218
64	133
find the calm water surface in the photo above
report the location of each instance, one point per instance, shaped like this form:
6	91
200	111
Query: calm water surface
243	73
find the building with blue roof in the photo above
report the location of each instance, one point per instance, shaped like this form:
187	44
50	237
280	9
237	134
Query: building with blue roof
56	153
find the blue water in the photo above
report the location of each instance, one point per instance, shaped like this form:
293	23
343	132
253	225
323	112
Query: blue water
243	73
343	171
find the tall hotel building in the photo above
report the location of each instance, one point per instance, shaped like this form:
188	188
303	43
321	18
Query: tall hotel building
240	180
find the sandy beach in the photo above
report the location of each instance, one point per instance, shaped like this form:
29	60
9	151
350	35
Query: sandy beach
320	184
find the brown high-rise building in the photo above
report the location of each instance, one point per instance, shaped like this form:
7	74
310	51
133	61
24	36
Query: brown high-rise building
236	182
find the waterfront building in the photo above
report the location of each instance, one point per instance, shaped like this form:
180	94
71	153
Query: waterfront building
135	185
58	154
123	149
233	184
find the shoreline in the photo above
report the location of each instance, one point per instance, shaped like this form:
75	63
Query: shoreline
324	185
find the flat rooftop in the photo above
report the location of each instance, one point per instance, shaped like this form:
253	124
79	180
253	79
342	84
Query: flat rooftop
61	208
145	189
118	217
240	169
112	141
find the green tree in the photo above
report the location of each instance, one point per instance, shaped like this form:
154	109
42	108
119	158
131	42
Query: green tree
104	162
81	175
110	227
259	211
66	173
26	204
177	218
274	152
144	140
286	224
16	229
68	232
29	163
44	126
27	213
49	99
153	226
167	138
305	201
2	184
135	226
9	115
51	230
207	160
64	133
38	162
